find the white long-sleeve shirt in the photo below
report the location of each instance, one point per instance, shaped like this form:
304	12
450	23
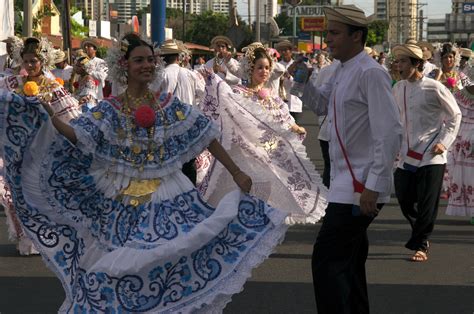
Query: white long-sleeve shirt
368	121
178	81
294	103
99	71
228	77
433	117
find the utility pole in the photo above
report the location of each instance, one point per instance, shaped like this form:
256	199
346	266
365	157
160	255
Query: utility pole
184	19
158	21
249	12
257	20
28	18
66	29
99	18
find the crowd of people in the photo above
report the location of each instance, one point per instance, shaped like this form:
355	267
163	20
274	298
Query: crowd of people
150	185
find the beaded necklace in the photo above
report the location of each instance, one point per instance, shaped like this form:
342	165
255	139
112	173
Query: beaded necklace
130	127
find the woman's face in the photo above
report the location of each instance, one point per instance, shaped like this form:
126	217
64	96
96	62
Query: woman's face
32	64
261	71
141	65
448	61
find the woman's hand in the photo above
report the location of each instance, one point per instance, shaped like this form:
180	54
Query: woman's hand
243	181
298	129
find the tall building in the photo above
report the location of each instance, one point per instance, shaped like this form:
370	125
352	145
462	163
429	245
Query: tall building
381	10
403	20
191	6
460	23
436	31
221	6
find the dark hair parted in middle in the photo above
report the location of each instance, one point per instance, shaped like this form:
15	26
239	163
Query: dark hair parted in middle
135	41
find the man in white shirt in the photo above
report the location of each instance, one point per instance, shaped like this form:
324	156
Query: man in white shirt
428	67
464	65
221	45
431	119
364	138
295	105
62	70
98	67
180	82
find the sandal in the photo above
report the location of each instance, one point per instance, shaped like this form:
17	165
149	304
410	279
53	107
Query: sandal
419	256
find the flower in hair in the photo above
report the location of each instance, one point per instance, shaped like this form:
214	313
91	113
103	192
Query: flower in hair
145	116
30	88
124	45
60	81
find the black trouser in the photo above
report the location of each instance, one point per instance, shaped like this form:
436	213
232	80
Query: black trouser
327	163
338	263
422	187
189	170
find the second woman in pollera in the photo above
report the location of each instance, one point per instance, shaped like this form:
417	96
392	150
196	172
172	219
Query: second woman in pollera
258	131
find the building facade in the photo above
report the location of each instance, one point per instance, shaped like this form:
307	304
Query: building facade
381	10
436	31
460	23
403	20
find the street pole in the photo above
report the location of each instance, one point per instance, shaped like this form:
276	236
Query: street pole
99	18
67	29
294	25
257	20
28	18
249	12
184	19
158	21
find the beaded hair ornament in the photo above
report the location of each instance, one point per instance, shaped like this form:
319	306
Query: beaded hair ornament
117	63
248	61
42	48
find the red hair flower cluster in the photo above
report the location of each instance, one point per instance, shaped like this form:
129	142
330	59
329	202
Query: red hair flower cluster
145	116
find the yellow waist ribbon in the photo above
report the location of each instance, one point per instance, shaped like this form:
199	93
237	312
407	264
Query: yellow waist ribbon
140	190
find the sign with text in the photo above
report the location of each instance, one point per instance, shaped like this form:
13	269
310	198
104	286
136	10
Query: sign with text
468	7
92	28
306	10
312	24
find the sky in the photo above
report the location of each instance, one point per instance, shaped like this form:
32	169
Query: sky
436	9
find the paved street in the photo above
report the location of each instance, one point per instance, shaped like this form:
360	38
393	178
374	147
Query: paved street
283	284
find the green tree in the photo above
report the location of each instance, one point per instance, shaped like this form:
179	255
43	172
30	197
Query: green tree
285	23
77	30
377	32
202	28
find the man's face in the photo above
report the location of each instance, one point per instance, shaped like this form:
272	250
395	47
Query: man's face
405	67
339	42
220	47
90	50
286	54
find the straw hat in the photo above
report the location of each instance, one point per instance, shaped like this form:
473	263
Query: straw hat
89	41
284	44
223	39
425	44
369	51
346	14
411	41
427	55
465	52
170	47
60	56
409	50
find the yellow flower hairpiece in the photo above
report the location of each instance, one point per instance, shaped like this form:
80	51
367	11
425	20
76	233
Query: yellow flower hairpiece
30	89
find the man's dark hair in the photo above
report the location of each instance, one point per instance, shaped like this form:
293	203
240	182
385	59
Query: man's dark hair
169	59
418	63
352	29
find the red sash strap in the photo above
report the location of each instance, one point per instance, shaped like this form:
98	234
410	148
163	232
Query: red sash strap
358	187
